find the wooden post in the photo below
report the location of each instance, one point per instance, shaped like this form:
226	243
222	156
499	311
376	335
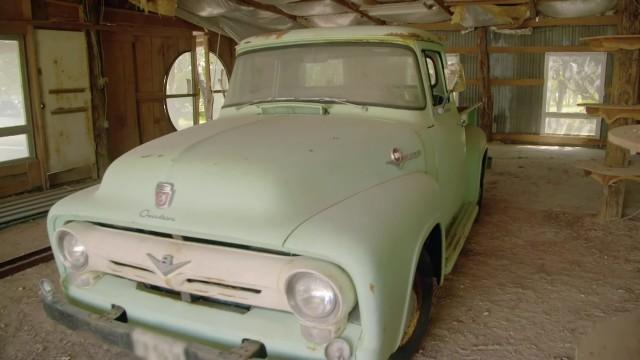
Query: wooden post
625	84
98	91
486	120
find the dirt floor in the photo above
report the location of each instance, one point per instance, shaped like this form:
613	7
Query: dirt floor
537	274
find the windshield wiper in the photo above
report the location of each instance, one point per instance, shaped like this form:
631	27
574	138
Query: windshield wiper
312	99
335	100
271	99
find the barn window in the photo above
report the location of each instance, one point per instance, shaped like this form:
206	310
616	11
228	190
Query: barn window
15	125
571	79
182	93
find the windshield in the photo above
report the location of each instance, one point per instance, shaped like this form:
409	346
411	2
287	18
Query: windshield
379	75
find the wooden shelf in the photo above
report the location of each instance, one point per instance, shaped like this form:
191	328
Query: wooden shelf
606	175
612	112
627	137
613	42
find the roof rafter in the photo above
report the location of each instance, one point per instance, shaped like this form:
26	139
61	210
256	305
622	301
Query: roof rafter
356	9
444	7
272	9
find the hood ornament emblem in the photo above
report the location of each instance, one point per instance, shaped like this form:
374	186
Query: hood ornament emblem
398	158
164	194
166	265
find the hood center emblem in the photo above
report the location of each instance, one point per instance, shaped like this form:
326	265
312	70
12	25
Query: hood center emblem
398	158
164	194
165	265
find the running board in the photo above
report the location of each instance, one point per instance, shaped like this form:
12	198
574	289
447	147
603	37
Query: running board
457	234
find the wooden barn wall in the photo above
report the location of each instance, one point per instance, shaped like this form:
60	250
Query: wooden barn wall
137	52
136	109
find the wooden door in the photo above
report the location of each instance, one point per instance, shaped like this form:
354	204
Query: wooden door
66	102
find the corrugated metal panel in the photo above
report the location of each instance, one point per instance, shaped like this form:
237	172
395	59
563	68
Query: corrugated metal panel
456	39
517	109
517	66
470	96
551	36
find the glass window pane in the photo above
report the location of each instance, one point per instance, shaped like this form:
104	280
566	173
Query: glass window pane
571	126
12	107
14	147
355	73
574	78
181	112
179	79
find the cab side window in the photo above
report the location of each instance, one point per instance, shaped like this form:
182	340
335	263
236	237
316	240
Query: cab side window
436	80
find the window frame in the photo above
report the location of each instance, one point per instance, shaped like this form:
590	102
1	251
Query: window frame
440	76
195	90
27	128
571	115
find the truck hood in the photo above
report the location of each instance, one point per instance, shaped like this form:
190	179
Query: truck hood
254	179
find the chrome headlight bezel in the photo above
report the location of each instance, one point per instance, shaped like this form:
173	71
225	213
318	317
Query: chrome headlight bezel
72	250
298	309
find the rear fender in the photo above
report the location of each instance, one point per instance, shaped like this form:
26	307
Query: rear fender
476	149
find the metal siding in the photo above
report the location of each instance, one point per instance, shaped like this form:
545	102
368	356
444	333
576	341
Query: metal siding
551	36
518	109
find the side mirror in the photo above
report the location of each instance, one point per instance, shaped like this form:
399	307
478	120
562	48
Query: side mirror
455	77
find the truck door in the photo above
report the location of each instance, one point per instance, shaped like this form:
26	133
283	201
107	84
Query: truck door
449	137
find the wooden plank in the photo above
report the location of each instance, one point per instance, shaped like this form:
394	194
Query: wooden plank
37	113
461	50
270	8
485	2
486	116
625	83
533	23
131	29
444	7
123	132
517	82
547	139
67	91
613	42
536	49
356	8
66	176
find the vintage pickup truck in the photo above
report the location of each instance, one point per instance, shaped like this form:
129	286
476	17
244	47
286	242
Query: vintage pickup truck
310	221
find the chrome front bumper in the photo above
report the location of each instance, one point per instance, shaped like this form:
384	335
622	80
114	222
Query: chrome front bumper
112	327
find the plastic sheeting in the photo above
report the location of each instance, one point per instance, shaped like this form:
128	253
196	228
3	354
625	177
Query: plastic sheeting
407	12
575	8
471	16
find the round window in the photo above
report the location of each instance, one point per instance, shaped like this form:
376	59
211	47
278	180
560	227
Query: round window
182	92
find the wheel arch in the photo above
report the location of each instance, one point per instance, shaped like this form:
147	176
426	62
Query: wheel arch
433	248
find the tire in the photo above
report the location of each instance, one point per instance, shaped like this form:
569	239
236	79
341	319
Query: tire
424	280
481	191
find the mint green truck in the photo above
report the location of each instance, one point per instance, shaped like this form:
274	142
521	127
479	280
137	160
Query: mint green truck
312	220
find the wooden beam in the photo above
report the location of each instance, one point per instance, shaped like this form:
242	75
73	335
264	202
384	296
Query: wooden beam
270	8
356	8
461	50
536	49
625	83
444	7
584	21
534	23
517	82
133	29
485	2
486	119
557	140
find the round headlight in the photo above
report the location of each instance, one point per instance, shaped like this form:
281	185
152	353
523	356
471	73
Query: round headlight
311	296
73	251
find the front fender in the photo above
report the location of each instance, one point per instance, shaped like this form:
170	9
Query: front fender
376	237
